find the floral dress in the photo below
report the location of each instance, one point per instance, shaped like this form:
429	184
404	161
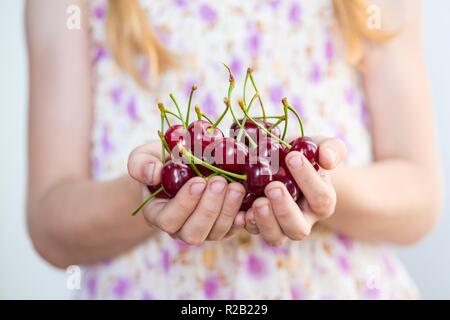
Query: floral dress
296	52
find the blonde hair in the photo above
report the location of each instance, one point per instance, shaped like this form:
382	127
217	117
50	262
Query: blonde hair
129	35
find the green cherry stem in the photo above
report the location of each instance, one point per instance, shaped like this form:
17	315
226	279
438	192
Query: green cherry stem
201	115
244	94
189	105
164	142
299	119
215	124
280	120
143	204
163	111
252	80
191	157
286	122
261	127
244	119
178	108
241	128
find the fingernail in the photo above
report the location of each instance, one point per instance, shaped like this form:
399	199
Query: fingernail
331	155
264	210
149	169
253	221
235	195
295	161
197	188
275	193
217	187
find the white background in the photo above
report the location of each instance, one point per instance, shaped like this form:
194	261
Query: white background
24	275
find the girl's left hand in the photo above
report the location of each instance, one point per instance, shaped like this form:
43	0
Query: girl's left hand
277	216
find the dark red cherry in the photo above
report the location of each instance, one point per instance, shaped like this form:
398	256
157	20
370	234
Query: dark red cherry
174	176
161	195
175	134
201	134
259	175
308	148
253	131
289	182
248	201
228	154
270	151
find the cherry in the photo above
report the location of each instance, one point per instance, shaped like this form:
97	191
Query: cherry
229	155
308	148
258	175
176	133
270	151
286	178
248	201
202	134
174	176
253	131
161	195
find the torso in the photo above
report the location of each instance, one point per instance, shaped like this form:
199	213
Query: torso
295	52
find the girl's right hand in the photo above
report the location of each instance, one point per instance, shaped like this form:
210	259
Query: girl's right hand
201	210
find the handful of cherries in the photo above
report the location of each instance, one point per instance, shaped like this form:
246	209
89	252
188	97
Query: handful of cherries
253	154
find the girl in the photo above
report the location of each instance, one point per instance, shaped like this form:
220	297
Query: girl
92	100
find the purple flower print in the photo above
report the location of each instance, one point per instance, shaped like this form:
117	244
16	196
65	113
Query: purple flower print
211	287
132	109
315	74
329	50
92	286
181	3
350	96
294	14
274	4
296	293
236	66
208	105
276	93
346	242
275	249
207	13
99	53
116	95
254	41
99	12
256	267
297	103
165	260
363	114
122	287
389	264
344	264
105	142
148	296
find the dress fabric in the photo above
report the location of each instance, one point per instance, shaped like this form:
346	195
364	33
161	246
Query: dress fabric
295	50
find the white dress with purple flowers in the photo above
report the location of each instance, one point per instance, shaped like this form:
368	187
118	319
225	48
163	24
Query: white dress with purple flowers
295	52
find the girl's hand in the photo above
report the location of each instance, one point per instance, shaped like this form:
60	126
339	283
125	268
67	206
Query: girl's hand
277	216
202	210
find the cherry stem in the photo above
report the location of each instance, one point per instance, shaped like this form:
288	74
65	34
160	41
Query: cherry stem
173	114
163	112
241	128
244	119
299	119
263	110
285	109
280	120
244	94
189	105
221	117
187	153
261	127
178	108
201	115
143	204
164	142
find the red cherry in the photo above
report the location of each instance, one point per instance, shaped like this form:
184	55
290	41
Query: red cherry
253	131
201	134
308	148
161	195
175	134
258	176
248	201
229	155
270	151
174	176
285	177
